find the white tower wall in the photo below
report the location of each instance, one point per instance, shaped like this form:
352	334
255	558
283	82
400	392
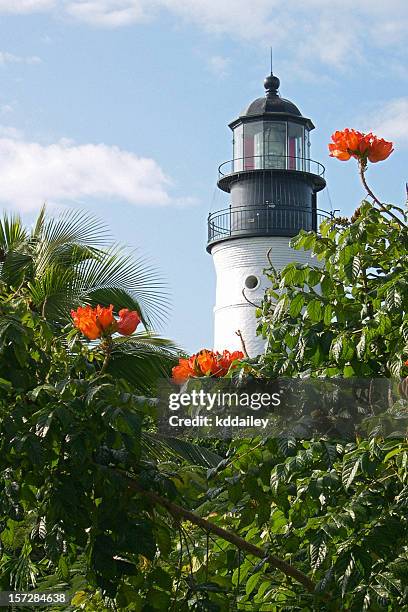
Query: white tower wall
235	260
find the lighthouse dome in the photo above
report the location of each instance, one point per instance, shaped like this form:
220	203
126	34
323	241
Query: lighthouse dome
272	102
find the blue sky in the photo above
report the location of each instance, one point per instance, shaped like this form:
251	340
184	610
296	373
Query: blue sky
121	107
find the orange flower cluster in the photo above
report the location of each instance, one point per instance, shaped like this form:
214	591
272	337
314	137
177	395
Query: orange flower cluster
205	363
99	321
351	143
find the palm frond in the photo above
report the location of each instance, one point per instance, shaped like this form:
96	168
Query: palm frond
13	259
49	292
16	267
142	360
12	232
119	272
55	238
71	226
64	255
39	223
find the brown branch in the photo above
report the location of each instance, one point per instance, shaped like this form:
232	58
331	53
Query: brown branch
239	334
179	512
249	301
268	256
106	346
362	168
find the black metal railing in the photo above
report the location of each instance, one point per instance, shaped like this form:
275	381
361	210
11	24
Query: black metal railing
263	220
270	162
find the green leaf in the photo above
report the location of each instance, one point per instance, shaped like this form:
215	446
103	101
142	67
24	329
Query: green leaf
252	583
6	385
296	305
318	551
315	311
351	464
328	314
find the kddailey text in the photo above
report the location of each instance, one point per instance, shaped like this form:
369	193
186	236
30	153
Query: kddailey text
228	421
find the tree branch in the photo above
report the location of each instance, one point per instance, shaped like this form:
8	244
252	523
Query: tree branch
240	336
268	256
249	301
106	346
179	512
376	200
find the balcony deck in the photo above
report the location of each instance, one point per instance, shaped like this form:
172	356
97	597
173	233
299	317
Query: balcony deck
266	165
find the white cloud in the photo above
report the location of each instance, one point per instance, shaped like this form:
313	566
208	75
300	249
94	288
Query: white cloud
108	13
32	173
25	6
10	58
390	121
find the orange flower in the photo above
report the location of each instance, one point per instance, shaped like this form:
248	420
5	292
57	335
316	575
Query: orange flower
406	363
128	321
227	358
104	317
344	143
351	143
205	363
85	321
183	371
94	322
380	149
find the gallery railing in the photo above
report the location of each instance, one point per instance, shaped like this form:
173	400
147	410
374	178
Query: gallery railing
270	162
264	220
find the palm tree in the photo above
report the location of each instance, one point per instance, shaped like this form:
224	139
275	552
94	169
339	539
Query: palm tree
69	260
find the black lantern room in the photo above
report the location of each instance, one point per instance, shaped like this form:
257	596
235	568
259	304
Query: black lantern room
272	180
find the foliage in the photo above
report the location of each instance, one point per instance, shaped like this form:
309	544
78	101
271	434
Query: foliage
337	511
69	432
346	315
68	436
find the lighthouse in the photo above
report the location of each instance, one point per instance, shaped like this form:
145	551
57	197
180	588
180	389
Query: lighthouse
272	184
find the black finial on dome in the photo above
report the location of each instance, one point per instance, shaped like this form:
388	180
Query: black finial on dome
271	84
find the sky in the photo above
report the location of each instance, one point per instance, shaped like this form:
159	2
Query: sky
121	107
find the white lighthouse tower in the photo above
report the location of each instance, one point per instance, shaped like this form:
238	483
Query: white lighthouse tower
273	187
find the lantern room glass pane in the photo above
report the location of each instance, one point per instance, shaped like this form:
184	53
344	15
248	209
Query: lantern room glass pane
274	144
296	147
238	143
253	145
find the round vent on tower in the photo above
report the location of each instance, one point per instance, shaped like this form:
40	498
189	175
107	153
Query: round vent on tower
251	282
